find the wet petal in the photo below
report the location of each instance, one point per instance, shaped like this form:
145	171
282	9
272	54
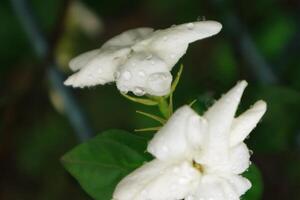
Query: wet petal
83	59
98	70
246	122
128	38
158	180
171	44
176	139
239	158
216	188
220	117
239	184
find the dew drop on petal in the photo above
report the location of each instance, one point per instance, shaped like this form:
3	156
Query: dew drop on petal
126	75
117	75
138	91
141	74
183	181
99	70
144	193
90	76
251	152
176	170
190	26
149	57
189	197
165	149
201	18
123	89
172	56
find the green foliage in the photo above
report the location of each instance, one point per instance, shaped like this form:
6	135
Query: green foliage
275	35
41	146
255	178
103	161
280	123
225	66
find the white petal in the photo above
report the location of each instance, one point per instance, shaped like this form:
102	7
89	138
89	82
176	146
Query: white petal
144	72
220	117
173	140
99	70
158	180
83	59
216	188
165	47
128	38
239	183
170	44
239	158
246	122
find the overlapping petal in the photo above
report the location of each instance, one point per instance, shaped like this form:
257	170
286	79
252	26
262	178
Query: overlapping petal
211	146
158	180
180	136
139	60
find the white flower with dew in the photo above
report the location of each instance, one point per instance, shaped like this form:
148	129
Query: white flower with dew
197	157
139	60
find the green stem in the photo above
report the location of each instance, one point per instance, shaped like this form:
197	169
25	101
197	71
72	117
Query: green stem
164	107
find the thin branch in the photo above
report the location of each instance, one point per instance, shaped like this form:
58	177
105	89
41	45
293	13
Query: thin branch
151	116
72	109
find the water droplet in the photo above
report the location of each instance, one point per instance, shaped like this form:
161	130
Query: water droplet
99	70
144	193
90	76
165	149
176	169
149	57
123	89
141	74
165	38
251	152
126	75
172	56
116	75
152	62
138	91
190	26
159	82
201	18
190	197
183	181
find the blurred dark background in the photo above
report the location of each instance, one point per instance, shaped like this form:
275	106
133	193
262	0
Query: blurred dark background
260	42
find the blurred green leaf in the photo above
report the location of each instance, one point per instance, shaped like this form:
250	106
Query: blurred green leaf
275	35
279	125
225	65
40	147
103	161
255	192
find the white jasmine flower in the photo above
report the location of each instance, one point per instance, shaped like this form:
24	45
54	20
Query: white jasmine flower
139	60
197	157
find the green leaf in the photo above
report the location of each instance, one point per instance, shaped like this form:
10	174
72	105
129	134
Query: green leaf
100	163
255	192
